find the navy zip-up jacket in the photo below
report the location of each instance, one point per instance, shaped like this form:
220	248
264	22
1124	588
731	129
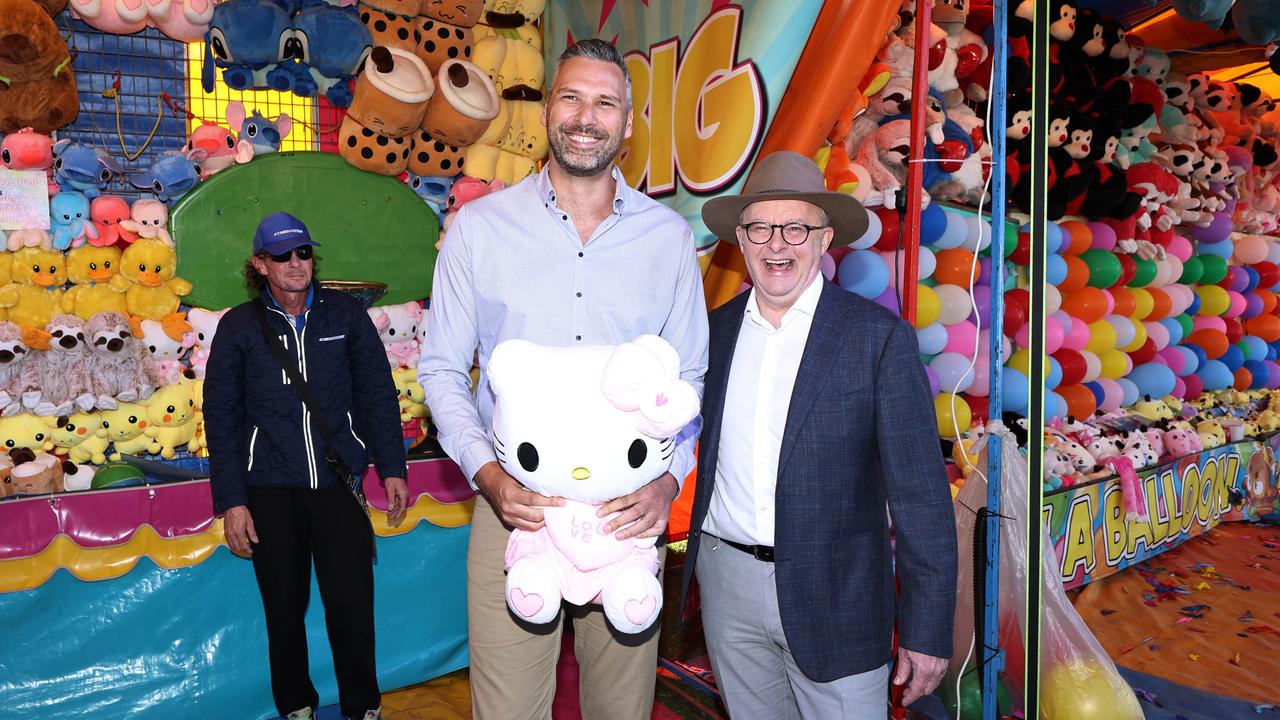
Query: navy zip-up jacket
259	431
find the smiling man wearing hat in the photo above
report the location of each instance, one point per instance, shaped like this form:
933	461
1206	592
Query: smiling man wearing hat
817	415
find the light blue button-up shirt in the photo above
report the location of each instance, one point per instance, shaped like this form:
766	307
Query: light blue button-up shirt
514	266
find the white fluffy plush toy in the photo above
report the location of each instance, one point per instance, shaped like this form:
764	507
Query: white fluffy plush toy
588	424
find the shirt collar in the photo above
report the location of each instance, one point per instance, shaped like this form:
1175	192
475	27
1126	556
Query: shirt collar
806	304
311	296
547	191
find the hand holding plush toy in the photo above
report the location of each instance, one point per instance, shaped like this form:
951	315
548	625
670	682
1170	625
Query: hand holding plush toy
588	424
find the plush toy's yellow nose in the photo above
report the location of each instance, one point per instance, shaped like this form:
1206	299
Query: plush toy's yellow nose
581	473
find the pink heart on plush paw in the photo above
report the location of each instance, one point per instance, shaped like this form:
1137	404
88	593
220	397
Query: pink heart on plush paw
637	611
527	605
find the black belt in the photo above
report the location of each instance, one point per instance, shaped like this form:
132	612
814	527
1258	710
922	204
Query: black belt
764	553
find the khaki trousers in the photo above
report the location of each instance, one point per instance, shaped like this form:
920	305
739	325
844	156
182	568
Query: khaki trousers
513	664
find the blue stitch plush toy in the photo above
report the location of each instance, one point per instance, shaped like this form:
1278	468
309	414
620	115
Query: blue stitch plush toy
169	177
434	191
249	40
263	134
84	168
330	44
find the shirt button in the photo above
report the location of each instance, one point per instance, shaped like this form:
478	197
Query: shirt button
577	337
564	217
578	294
579	254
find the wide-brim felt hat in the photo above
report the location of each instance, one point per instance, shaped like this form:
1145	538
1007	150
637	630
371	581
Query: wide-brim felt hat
787	175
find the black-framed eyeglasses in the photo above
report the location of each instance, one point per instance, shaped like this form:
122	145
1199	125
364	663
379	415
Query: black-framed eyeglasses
760	233
304	254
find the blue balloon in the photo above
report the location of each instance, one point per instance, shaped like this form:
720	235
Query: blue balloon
1054	406
1131	394
1271	353
1259	373
1223	248
1196	350
1154	379
1174	328
1054	377
933	222
1215	375
932	339
1255	348
1191	361
864	272
1015	389
1055	269
1052	238
1194	307
1254	278
1098	394
1233	358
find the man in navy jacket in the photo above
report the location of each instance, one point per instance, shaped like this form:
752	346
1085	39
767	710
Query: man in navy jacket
282	504
816	418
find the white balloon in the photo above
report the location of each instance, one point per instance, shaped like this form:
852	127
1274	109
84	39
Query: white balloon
956	305
1092	365
956	232
1052	299
977	235
871	236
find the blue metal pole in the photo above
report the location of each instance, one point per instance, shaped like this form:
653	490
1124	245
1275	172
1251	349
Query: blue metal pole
992	657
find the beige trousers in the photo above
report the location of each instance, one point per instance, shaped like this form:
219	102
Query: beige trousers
513	664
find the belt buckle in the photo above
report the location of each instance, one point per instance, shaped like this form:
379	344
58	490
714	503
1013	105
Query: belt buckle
762	553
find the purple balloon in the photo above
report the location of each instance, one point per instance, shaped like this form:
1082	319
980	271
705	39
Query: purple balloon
889	299
1239	278
933	380
1252	306
982	298
1104	237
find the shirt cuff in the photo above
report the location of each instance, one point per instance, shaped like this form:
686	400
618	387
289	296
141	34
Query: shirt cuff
474	457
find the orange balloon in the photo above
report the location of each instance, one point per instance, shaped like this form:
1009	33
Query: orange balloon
1266	327
1268	299
1080	400
1125	304
1077	274
1088	304
1213	342
1080	234
955	267
1244	379
1162	304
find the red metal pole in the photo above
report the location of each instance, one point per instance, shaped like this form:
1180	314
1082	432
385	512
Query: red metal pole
915	169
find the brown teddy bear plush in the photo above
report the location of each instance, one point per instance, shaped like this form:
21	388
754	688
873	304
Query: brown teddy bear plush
37	87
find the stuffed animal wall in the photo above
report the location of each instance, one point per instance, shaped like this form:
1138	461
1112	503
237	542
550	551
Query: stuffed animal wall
588	424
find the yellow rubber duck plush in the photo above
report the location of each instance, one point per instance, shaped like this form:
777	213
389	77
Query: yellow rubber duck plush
90	269
34	294
146	277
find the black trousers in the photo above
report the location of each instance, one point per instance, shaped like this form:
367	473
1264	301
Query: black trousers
296	526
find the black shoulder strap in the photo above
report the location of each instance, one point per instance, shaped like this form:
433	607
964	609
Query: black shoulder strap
300	386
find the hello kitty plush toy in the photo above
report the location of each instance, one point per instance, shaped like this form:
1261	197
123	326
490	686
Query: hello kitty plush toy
587	424
398	327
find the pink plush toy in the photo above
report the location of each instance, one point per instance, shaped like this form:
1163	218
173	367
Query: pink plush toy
30	150
1180	442
167	341
108	212
215	148
148	218
118	17
204	325
398	327
33	237
1132	496
464	190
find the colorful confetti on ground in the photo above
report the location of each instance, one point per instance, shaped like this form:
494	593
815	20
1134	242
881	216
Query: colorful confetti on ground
1203	614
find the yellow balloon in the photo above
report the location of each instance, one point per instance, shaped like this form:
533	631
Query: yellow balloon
952	412
1142	303
1086	690
1213	300
1139	335
1115	364
1102	337
927	306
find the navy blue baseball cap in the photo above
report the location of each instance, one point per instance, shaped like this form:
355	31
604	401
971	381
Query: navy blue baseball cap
280	232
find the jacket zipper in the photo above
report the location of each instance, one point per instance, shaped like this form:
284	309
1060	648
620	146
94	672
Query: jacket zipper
306	414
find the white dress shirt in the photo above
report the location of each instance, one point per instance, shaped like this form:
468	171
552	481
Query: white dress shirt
761	377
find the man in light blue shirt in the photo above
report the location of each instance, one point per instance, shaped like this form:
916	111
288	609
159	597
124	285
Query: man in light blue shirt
570	256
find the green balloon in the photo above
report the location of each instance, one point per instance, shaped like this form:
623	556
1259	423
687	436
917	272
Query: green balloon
1215	268
1104	268
971	697
1192	269
1144	273
1188	325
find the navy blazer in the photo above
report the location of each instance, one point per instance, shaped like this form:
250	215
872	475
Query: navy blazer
860	433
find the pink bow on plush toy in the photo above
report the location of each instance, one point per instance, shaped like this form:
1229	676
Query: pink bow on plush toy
1135	502
642	378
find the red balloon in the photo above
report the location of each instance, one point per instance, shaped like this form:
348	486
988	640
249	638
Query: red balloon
1128	269
889	226
1021	254
1194	384
1072	364
1017	309
979	407
1230	278
1268	274
1244	379
1144	354
1234	330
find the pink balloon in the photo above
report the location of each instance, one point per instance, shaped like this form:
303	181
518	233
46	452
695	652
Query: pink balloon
1158	334
1111	303
1054	336
1201	322
1104	238
1178	247
1112	393
981	385
1078	336
828	266
962	338
1180	297
1179	388
1173	358
984	345
1237	304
